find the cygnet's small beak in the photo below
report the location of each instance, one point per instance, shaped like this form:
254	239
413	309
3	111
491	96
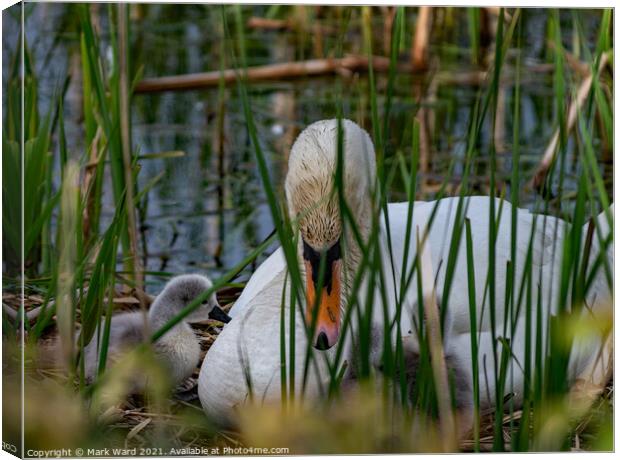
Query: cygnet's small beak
219	315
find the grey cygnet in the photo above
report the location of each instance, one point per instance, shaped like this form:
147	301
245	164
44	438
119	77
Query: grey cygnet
179	348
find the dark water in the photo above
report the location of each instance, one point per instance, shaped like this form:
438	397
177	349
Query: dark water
208	210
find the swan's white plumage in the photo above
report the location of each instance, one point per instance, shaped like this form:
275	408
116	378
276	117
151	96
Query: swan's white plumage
252	339
253	336
264	274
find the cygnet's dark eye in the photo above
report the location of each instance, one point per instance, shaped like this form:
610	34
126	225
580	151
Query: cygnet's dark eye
185	299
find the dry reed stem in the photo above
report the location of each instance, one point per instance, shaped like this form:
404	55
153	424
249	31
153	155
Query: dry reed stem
591	383
438	360
389	13
552	148
136	429
578	66
269	24
499	134
494	10
419	48
132	227
67	260
88	182
10	302
318	47
425	117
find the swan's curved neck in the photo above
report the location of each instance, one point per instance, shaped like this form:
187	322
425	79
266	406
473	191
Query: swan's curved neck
363	215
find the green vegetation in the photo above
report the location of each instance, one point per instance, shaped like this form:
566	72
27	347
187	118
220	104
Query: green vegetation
80	263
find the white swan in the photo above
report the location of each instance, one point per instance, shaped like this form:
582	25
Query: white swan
247	352
179	348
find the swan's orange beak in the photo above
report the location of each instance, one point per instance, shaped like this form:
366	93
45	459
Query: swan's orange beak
327	311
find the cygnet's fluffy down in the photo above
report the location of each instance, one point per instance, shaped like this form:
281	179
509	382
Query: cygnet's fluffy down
179	348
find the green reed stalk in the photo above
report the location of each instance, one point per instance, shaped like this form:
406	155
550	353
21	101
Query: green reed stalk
473	324
107	105
124	122
283	380
473	27
498	442
101	278
514	194
103	337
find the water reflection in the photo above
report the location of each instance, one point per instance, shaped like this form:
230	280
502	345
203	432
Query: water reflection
208	210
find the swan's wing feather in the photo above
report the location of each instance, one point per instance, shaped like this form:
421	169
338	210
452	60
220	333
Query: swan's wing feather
546	235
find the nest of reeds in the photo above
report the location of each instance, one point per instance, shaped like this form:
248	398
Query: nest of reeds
135	423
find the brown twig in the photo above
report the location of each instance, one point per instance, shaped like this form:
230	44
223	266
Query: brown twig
313	67
307	68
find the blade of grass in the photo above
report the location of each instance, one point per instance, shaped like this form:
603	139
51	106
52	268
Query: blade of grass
471	283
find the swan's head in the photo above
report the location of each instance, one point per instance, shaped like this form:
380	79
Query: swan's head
180	292
313	201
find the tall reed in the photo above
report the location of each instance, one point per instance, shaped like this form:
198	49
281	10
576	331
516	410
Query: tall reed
83	277
545	365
